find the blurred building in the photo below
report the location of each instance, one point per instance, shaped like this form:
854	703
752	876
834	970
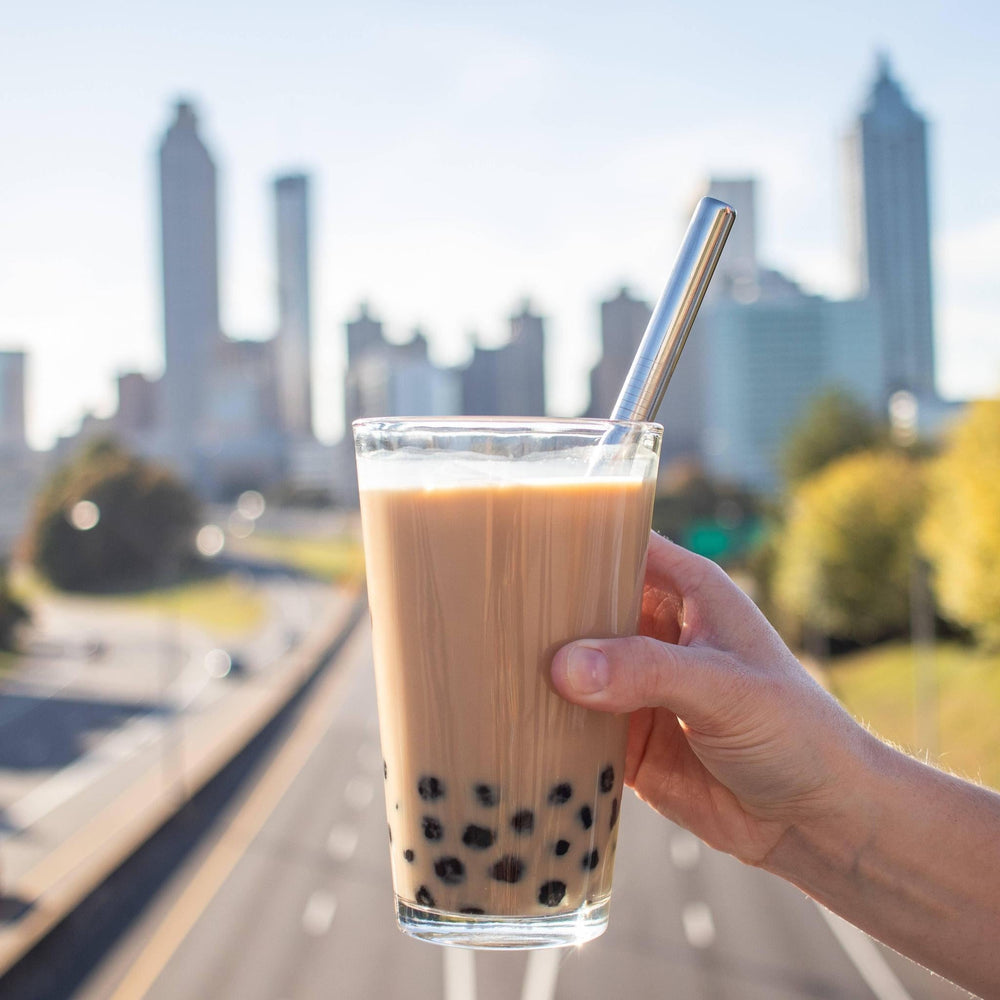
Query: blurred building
292	343
508	380
889	219
623	322
189	244
12	401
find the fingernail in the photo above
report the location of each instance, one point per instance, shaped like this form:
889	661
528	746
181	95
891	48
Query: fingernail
587	669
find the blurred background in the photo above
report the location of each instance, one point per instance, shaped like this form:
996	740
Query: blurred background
229	231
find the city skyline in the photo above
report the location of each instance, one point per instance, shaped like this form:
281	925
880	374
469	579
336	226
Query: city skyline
572	208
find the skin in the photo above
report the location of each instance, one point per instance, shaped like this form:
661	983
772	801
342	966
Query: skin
731	738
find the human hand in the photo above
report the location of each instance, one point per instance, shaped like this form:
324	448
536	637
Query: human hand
729	736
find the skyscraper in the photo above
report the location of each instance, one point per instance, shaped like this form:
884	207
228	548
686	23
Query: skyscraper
190	282
623	321
890	230
292	345
12	432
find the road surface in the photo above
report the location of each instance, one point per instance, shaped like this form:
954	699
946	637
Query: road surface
290	899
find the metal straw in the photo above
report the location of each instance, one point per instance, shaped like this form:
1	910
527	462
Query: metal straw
674	315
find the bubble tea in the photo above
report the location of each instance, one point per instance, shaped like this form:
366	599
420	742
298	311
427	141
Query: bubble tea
488	545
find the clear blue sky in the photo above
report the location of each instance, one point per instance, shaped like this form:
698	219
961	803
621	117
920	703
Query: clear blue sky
466	155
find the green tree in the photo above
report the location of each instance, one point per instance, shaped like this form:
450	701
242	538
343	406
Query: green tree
961	531
111	521
834	424
845	557
12	611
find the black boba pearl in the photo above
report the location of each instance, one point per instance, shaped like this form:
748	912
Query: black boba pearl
390	834
508	869
409	855
385	770
478	837
560	847
551	893
430	788
486	795
451	871
560	794
614	814
589	862
523	821
433	830
471	910
607	779
586	817
424	897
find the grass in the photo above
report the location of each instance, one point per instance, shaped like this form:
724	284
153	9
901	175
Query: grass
224	604
338	558
878	686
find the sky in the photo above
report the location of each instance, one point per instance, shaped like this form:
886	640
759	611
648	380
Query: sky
466	156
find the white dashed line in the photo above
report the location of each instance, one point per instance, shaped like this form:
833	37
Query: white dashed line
685	850
459	974
699	927
359	793
542	973
319	911
342	841
865	957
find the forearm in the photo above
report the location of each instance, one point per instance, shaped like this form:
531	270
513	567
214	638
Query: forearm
914	859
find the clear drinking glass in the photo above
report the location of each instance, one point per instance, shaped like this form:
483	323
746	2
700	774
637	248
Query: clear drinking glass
489	543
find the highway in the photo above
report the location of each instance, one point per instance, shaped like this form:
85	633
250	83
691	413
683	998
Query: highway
288	897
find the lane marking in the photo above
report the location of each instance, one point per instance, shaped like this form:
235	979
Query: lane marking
699	927
459	973
359	793
685	850
341	842
542	973
319	911
865	957
261	802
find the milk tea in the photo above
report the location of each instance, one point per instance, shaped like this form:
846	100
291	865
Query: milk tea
502	798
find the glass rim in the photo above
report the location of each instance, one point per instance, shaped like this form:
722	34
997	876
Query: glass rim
530	425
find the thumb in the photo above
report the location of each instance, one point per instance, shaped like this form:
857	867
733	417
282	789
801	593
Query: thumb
622	675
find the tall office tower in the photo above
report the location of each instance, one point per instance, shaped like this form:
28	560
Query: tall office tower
738	273
623	322
12	423
890	230
190	282
292	344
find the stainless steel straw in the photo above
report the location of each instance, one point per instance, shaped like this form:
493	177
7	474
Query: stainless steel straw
671	322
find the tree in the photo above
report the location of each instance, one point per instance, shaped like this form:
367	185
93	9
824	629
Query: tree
12	612
110	520
961	531
835	424
845	558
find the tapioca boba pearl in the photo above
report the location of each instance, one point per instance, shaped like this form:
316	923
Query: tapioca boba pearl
552	893
560	847
430	788
586	817
614	814
486	795
472	910
451	871
433	830
523	821
507	869
560	794
424	897
385	770
478	837
390	834
607	778
589	862
409	855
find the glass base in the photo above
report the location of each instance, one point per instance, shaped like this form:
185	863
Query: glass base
473	931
